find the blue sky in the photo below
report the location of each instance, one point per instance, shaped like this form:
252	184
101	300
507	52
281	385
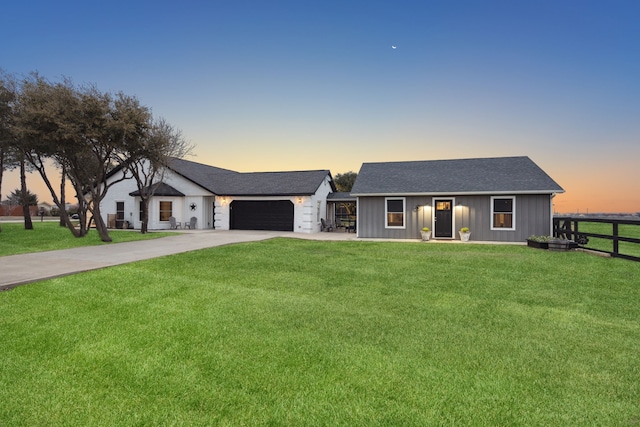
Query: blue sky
290	85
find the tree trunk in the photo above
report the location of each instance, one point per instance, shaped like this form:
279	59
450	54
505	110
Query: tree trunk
28	224
103	232
144	228
63	183
82	213
1	173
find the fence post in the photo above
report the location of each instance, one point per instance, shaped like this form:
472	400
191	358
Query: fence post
615	238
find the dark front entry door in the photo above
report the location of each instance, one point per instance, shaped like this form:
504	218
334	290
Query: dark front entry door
444	218
120	215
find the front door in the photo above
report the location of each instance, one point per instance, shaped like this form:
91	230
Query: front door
443	226
120	215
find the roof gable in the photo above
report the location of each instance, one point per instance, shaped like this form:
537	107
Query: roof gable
480	175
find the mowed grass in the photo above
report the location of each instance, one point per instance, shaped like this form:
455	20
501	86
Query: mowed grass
624	230
49	236
307	333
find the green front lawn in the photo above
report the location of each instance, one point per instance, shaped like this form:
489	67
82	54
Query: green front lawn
294	332
49	236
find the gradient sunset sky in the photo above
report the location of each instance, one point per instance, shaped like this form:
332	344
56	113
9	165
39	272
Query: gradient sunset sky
296	85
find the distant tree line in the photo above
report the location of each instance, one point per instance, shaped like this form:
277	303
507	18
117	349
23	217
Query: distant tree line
87	134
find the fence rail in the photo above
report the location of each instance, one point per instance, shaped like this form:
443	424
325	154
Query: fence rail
580	229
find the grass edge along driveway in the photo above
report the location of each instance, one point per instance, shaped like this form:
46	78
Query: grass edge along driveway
293	332
49	236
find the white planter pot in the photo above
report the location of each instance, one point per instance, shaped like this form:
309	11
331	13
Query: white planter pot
426	235
464	236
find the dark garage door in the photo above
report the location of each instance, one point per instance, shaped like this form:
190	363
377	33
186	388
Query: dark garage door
262	215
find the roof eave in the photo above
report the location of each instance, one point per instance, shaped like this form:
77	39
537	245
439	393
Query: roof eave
459	193
265	195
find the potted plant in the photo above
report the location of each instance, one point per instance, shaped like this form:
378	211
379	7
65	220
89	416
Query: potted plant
426	234
465	233
540	242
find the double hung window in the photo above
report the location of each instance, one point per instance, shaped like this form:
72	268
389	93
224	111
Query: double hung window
503	213
394	212
166	210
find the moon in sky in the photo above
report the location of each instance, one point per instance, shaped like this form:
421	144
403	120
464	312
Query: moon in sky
393	47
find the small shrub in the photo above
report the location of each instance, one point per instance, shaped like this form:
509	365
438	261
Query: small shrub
535	238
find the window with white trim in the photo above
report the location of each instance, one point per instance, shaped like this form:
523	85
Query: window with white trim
166	210
503	213
394	212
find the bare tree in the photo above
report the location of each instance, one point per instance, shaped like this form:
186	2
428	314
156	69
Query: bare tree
149	160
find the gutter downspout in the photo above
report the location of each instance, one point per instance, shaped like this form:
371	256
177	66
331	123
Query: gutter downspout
551	197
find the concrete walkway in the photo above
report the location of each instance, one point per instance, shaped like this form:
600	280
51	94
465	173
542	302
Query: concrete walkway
27	268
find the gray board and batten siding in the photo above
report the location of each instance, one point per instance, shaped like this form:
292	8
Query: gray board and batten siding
522	198
532	216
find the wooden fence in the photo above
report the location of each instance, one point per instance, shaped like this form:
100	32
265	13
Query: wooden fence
584	231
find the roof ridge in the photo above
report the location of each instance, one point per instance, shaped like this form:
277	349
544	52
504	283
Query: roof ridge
448	160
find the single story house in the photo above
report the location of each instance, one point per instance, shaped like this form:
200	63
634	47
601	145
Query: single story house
223	199
498	199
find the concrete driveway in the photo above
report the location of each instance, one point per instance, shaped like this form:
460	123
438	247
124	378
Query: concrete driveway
20	269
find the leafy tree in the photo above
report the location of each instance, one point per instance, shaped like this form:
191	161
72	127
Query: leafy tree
117	123
344	181
15	198
45	130
9	156
7	97
87	133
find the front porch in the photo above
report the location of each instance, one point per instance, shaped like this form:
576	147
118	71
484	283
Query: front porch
342	212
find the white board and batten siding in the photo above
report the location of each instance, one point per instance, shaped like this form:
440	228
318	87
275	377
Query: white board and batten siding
180	206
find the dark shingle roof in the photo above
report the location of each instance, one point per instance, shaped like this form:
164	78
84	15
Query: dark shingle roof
230	183
159	189
208	177
274	183
341	197
488	175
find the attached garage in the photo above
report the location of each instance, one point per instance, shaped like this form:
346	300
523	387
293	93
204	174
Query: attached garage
276	215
